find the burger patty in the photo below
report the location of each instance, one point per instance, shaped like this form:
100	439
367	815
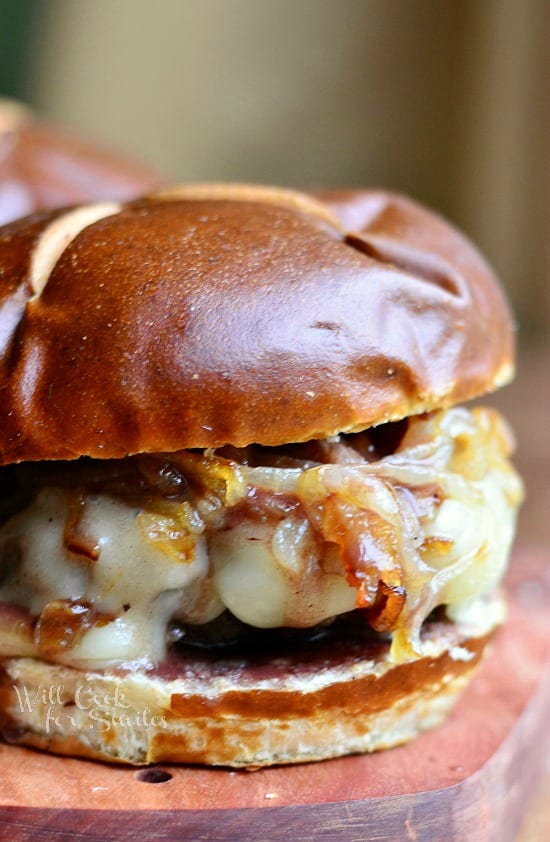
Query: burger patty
103	562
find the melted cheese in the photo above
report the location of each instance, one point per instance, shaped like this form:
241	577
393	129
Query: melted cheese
268	578
140	586
435	520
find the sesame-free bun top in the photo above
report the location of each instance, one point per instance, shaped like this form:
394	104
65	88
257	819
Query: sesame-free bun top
214	314
45	167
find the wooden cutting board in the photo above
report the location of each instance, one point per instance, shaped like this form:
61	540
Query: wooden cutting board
471	779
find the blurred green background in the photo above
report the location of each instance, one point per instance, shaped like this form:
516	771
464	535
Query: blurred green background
17	21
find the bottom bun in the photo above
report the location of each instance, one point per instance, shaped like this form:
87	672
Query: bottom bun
320	701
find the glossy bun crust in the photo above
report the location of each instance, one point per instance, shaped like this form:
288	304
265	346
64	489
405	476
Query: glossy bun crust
43	167
326	702
222	314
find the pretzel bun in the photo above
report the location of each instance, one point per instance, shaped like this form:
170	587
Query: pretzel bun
228	316
212	315
44	167
312	704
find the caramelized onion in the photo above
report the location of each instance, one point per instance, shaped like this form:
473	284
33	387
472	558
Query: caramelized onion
62	624
387	607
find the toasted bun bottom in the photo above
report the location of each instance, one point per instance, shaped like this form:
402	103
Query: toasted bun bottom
342	698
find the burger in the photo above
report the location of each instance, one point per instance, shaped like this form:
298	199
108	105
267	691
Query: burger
246	519
44	167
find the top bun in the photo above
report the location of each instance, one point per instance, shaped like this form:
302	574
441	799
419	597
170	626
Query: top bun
216	314
42	167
